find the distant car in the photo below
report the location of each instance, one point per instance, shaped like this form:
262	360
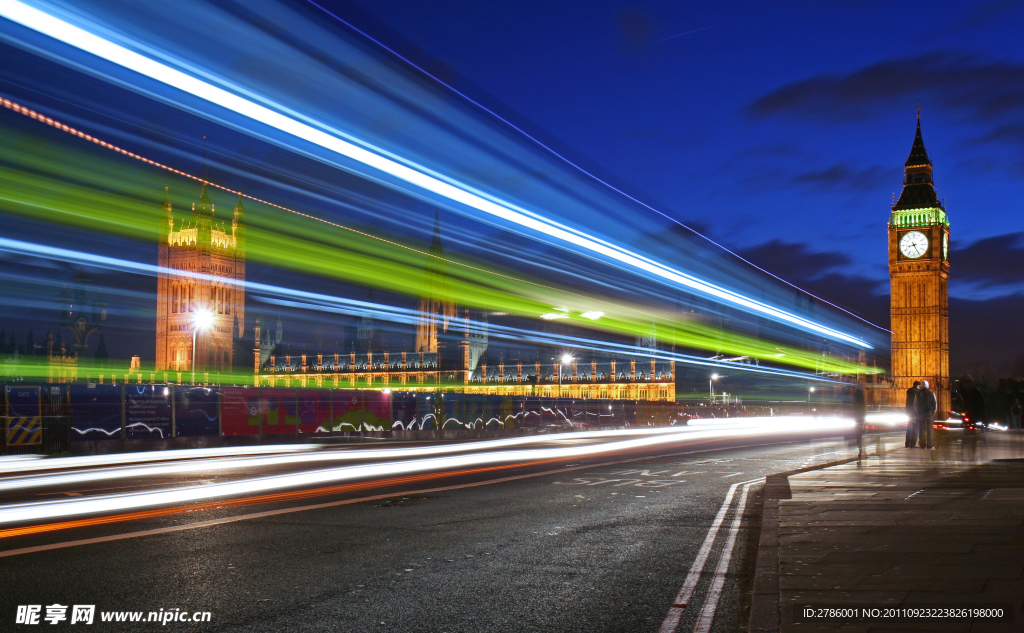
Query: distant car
956	420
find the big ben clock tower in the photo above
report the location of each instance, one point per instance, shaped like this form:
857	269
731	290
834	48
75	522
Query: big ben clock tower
919	272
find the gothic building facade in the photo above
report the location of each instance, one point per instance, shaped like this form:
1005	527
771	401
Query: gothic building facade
200	294
450	352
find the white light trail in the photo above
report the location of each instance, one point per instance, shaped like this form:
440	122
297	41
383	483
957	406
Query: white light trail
220	459
49	510
416	175
87	461
891	418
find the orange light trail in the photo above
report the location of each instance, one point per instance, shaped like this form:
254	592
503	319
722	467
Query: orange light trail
294	495
259	499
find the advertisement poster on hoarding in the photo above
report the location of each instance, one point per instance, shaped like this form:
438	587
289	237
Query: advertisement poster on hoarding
147	411
241	410
279	409
313	410
195	410
95	412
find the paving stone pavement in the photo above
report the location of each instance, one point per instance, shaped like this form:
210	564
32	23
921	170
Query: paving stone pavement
937	528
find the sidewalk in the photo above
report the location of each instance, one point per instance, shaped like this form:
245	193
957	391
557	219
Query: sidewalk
910	527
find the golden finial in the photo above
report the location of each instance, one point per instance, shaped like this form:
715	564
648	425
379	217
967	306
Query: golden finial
918	110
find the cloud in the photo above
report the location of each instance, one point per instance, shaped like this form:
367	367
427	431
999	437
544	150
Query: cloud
843	175
793	261
992	261
781	165
978	88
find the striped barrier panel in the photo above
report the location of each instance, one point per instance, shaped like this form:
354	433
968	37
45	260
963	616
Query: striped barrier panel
24	418
24	431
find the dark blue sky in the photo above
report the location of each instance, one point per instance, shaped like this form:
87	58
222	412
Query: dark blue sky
780	129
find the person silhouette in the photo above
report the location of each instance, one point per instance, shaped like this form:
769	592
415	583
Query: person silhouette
911	408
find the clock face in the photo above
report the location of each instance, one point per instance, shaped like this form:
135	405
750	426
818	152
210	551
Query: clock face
913	244
945	246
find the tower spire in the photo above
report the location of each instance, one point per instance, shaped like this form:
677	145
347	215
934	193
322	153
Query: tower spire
918	186
168	216
918	155
205	209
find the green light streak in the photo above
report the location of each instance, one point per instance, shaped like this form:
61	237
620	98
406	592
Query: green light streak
49	182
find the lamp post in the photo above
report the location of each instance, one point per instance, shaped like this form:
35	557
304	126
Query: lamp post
810	390
201	320
711	387
566	359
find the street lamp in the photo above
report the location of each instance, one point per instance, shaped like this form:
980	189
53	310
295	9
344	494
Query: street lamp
566	359
810	390
202	320
711	387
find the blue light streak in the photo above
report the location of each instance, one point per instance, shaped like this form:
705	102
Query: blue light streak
279	295
392	165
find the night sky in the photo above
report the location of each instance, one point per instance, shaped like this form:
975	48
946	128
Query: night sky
779	129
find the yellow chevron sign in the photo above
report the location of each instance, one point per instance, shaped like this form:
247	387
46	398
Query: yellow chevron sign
24	431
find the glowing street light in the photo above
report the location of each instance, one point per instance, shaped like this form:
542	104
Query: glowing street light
202	320
810	390
565	360
711	387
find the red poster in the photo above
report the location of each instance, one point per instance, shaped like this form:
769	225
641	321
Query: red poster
377	411
314	411
240	410
280	415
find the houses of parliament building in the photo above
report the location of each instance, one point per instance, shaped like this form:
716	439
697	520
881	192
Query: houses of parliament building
202	271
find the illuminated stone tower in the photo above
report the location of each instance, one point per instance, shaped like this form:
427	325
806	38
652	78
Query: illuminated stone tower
436	307
919	272
209	260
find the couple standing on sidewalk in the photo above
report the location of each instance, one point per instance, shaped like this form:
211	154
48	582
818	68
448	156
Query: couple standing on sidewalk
921	408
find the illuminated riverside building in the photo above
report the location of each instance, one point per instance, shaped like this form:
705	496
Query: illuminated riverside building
919	272
585	377
450	353
208	258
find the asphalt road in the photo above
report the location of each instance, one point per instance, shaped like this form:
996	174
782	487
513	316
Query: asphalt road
594	543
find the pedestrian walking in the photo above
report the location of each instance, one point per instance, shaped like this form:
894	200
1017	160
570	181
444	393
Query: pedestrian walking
927	406
911	409
1015	414
859	410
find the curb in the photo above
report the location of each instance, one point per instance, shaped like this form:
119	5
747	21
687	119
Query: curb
764	600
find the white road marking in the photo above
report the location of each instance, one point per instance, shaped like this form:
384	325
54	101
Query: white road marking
671	622
707	612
